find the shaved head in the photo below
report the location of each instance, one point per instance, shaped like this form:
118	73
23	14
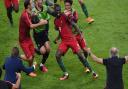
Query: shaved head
114	51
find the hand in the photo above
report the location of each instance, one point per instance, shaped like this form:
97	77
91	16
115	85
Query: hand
67	12
18	75
23	57
43	22
32	74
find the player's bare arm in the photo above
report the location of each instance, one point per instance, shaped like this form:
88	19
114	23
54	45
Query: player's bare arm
95	58
42	22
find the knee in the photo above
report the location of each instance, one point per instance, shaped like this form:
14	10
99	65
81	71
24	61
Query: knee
47	46
85	50
42	51
48	49
80	55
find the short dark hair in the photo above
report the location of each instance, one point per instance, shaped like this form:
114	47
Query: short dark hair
0	72
26	3
68	1
57	7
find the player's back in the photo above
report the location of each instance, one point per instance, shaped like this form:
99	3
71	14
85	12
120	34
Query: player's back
114	68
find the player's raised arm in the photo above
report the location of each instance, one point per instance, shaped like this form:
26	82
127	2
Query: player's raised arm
72	17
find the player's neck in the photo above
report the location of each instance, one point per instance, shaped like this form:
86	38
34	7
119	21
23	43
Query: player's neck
29	11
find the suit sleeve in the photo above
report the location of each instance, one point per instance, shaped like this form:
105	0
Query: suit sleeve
25	69
123	60
3	66
105	61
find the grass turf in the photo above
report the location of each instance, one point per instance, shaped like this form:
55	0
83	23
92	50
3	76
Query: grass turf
109	29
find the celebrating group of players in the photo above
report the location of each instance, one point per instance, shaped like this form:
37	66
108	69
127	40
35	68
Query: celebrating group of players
36	16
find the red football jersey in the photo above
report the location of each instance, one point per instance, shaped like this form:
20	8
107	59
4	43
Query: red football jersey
64	27
24	27
75	16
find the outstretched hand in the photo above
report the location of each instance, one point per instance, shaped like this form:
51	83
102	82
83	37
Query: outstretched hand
67	12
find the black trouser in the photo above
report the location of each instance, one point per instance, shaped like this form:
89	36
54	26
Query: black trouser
40	38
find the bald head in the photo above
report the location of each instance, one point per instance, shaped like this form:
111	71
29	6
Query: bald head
114	51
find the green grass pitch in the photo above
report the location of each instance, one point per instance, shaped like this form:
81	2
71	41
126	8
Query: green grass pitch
109	29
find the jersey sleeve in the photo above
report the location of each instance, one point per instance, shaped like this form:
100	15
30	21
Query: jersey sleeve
105	61
25	69
123	60
27	20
